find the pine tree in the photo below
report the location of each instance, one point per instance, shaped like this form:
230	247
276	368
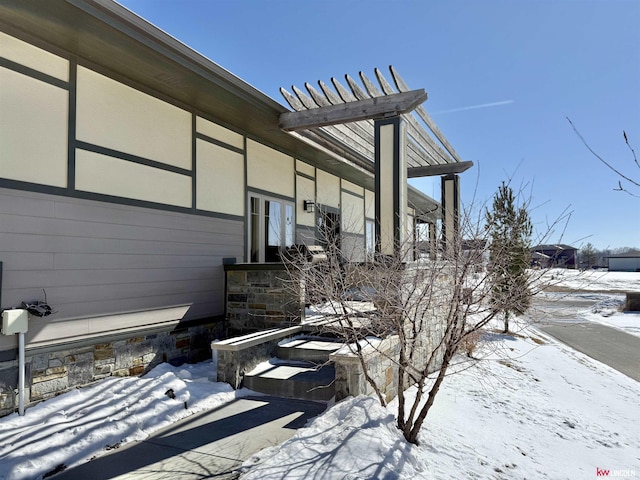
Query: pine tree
510	229
589	256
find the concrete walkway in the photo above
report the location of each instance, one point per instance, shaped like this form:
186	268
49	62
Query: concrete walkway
207	445
610	346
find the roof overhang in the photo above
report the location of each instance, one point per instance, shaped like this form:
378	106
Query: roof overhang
102	34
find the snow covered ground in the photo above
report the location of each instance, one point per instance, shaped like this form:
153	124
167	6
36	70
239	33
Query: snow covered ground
602	293
88	422
592	280
531	408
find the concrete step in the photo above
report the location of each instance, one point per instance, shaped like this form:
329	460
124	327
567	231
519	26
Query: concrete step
310	349
293	380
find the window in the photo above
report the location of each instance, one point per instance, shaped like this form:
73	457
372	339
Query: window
271	228
370	239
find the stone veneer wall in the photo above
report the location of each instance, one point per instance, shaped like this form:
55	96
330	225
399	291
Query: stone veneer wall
233	364
350	379
260	296
55	371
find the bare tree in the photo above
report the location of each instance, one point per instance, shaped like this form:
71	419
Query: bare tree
635	182
429	310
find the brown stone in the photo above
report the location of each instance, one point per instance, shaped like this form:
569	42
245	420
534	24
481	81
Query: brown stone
56	371
102	351
47	378
389	375
139	370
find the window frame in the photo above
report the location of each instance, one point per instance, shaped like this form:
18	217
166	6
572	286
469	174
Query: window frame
259	224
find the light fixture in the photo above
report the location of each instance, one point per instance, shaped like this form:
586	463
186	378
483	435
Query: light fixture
309	206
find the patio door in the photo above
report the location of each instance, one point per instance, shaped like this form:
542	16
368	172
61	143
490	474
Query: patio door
271	228
329	229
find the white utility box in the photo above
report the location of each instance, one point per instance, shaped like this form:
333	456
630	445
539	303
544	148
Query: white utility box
15	321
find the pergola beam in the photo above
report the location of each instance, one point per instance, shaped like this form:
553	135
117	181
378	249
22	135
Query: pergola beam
370	108
433	170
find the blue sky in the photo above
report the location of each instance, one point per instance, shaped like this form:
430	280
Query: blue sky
530	64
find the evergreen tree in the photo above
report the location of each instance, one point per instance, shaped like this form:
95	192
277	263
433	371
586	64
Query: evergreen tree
589	256
510	229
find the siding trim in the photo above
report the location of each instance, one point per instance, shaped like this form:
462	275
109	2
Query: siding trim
99	197
194	162
35	74
304	175
71	126
90	147
206	138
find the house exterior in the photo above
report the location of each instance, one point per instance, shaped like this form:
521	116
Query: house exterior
132	169
624	262
554	255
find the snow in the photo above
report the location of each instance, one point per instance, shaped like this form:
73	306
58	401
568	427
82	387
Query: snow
603	292
87	422
530	408
533	409
592	280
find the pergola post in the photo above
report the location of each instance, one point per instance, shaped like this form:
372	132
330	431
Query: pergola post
450	212
391	186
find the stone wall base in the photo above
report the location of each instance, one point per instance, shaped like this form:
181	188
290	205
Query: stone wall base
633	302
56	371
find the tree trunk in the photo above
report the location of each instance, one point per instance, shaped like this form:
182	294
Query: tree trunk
506	323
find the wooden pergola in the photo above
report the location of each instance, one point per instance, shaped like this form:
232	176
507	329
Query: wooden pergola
386	127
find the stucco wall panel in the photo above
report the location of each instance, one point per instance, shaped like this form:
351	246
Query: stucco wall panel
112	176
33	137
328	189
269	169
33	57
352	213
219	179
219	132
305	190
116	116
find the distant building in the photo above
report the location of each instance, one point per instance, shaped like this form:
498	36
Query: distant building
624	262
554	255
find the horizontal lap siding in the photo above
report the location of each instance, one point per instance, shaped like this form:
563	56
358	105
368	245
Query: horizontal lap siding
96	259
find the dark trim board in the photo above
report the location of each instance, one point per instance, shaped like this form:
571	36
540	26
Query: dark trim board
258	267
99	197
194	163
208	139
35	74
267	193
71	131
349	192
89	147
304	175
0	286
